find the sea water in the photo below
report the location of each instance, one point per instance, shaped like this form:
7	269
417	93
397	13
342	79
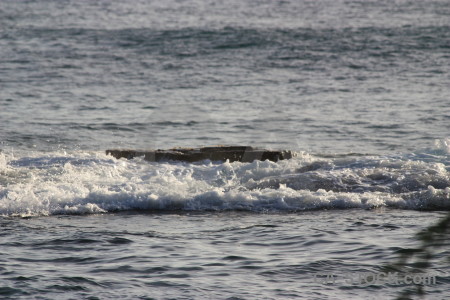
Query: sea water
357	89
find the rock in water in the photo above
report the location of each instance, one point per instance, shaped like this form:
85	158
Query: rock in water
218	153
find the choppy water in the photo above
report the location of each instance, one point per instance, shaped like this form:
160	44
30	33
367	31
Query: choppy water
358	89
231	255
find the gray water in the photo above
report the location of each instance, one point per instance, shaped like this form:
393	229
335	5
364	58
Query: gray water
321	76
207	255
358	89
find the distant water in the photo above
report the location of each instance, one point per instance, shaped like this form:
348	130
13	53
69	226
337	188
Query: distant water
358	89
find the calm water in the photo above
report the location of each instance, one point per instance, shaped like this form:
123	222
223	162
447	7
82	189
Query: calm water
359	89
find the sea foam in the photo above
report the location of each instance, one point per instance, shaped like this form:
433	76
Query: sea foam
91	182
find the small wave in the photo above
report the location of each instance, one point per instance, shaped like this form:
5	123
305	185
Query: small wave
89	183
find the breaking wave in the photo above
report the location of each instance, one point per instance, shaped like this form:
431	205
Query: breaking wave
33	184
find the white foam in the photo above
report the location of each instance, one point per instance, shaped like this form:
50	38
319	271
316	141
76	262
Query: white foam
80	183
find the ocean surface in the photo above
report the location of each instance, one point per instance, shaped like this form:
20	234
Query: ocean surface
359	90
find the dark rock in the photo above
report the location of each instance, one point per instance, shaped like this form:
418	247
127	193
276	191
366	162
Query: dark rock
217	153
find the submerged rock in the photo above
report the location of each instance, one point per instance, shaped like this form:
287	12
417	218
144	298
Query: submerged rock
217	153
